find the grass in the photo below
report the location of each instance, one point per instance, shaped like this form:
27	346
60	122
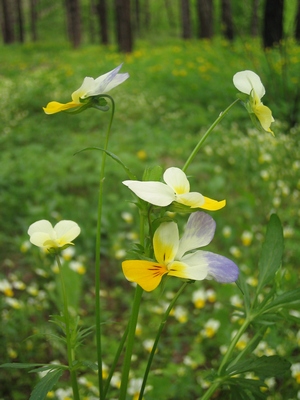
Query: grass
175	91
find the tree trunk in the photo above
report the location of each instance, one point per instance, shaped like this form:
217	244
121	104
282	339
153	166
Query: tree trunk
74	22
297	29
205	18
20	21
123	24
170	13
33	20
254	28
273	23
102	16
7	22
185	19
137	15
227	24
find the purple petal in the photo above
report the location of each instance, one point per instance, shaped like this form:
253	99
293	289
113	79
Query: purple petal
220	268
199	232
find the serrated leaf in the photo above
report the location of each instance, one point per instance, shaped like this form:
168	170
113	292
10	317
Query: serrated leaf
45	385
271	255
247	389
265	366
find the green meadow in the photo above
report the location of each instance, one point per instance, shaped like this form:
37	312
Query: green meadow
175	92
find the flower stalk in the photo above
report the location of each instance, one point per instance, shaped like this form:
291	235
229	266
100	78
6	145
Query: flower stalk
205	136
70	350
98	250
160	329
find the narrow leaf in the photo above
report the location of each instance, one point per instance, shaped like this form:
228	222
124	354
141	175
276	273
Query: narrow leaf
20	365
114	157
271	255
287	299
45	385
263	366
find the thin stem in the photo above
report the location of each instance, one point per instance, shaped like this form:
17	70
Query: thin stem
205	136
130	341
233	344
116	359
132	324
70	352
160	329
211	390
97	255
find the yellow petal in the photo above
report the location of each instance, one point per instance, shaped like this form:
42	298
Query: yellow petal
213	205
55	107
147	274
165	242
264	115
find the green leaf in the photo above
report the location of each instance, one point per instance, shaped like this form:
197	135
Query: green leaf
45	385
114	157
153	173
271	255
20	365
246	389
244	288
263	366
288	299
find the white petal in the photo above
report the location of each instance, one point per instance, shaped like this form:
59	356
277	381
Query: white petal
246	81
218	267
156	193
41	226
120	78
192	266
191	199
108	81
165	242
66	231
87	87
39	238
199	232
177	180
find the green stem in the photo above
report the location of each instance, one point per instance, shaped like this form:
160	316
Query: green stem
205	136
211	390
132	324
160	329
116	359
233	343
70	351
97	255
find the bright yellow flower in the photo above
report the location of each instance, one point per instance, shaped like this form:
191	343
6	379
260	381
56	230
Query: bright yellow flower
89	92
249	82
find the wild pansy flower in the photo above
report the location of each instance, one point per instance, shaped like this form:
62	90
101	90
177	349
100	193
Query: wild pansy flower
42	234
176	188
89	93
249	82
181	258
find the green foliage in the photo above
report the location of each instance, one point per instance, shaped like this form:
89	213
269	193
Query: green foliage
171	98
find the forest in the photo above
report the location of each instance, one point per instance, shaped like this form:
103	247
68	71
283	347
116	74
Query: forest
149	199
